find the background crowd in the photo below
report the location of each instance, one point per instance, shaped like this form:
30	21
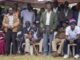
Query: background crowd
47	32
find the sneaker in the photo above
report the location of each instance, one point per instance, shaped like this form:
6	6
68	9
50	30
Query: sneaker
65	56
76	56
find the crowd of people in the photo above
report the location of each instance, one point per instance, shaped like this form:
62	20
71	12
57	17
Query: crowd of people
48	32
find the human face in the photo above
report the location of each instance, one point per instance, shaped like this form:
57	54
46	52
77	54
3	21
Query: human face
72	27
35	28
48	6
10	12
55	4
27	24
66	5
64	24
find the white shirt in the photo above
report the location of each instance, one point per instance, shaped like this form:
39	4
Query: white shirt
72	34
10	17
66	12
48	18
78	19
55	10
35	35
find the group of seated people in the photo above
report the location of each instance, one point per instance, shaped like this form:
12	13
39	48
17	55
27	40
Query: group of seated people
67	34
43	38
29	37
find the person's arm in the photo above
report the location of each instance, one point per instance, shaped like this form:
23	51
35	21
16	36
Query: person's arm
54	22
4	22
67	37
21	17
17	22
33	18
41	21
78	33
67	33
77	37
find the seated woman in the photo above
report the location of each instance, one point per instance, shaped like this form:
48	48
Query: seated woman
59	40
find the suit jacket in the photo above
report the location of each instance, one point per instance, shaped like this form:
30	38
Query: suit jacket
75	15
53	20
62	17
57	13
39	33
25	31
16	23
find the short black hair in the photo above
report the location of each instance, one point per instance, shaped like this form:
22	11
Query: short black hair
29	6
66	2
48	2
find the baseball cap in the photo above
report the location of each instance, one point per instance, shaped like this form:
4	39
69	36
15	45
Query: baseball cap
72	21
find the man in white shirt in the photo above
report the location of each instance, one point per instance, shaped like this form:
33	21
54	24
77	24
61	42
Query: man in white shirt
72	33
48	24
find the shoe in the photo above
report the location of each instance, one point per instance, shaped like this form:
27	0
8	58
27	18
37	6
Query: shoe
55	54
40	53
45	54
65	56
76	56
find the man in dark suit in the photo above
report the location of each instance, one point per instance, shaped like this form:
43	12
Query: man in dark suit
65	13
76	13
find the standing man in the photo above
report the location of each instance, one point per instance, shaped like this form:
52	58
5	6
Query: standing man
48	23
28	15
76	13
56	10
55	7
11	24
65	13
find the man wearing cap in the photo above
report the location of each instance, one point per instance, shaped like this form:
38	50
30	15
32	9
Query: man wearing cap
10	25
72	33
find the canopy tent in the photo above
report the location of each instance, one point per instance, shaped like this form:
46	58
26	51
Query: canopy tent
35	3
42	1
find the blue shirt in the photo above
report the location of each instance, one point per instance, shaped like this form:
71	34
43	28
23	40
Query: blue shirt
27	16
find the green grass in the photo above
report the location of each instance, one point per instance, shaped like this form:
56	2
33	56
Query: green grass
26	57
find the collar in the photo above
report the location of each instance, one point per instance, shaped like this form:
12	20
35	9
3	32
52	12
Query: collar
49	11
